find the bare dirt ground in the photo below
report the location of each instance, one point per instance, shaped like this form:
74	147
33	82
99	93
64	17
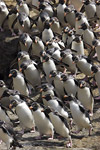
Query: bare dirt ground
80	142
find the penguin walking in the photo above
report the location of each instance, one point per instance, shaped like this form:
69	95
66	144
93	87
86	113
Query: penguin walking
79	114
66	59
24	114
42	121
85	96
56	104
70	85
47	33
83	64
8	136
48	66
25	42
60	124
19	82
22	56
22	7
37	46
57	83
77	46
96	72
31	72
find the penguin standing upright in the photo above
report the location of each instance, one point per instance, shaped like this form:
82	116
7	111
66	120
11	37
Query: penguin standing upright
8	136
56	104
24	114
31	72
60	124
25	42
47	33
77	46
48	66
70	85
79	114
57	83
19	82
3	87
70	38
84	94
42	121
22	7
65	34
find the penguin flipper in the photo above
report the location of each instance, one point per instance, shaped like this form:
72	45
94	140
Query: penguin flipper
14	22
82	9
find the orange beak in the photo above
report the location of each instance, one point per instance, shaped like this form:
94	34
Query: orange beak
31	107
10	75
10	106
20	69
50	76
41	90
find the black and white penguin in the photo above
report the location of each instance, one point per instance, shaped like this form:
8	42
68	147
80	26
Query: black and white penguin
89	8
3	13
25	42
65	34
8	136
77	46
70	38
80	18
22	7
60	12
37	46
70	16
22	56
48	66
96	46
56	104
24	114
3	87
23	23
42	18
85	96
19	82
42	121
46	7
47	33
88	35
83	64
31	72
79	114
60	124
57	83
56	26
66	59
96	71
70	84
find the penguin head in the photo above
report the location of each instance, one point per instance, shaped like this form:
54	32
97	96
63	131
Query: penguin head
78	39
48	110
23	54
47	24
97	2
66	29
23	37
86	2
2	83
67	10
6	93
70	33
47	97
44	87
69	98
53	73
46	58
35	106
42	53
62	2
82	84
13	73
94	69
83	26
42	6
35	39
95	42
19	2
53	20
64	77
63	54
14	103
78	16
75	58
